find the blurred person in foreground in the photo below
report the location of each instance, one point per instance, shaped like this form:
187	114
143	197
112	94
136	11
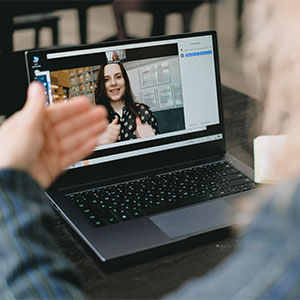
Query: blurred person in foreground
37	144
266	263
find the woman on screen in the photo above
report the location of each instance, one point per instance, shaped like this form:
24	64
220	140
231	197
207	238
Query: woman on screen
128	119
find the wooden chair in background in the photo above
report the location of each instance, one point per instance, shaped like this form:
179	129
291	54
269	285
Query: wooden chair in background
159	10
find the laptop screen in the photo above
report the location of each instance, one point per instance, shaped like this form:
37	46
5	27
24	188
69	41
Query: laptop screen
160	93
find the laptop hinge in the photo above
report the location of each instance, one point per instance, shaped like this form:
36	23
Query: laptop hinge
143	174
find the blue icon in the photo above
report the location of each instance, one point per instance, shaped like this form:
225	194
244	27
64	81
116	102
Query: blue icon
182	55
198	53
36	59
192	54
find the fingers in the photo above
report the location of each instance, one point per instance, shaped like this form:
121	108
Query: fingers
116	130
80	121
115	120
76	139
79	153
36	99
138	121
66	110
110	135
113	132
144	130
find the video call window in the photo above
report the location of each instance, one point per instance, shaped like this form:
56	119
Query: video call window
149	87
161	78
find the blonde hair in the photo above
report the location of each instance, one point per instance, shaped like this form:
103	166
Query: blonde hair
272	65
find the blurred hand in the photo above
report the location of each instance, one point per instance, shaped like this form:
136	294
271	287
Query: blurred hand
143	130
44	141
111	133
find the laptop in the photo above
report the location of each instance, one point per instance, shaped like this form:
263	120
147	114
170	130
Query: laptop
131	196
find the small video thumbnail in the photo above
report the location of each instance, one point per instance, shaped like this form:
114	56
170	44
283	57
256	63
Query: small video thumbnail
115	56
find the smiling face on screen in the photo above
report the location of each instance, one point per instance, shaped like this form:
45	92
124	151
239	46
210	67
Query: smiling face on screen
114	82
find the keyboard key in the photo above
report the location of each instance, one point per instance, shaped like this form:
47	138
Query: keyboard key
234	190
235	176
238	182
98	223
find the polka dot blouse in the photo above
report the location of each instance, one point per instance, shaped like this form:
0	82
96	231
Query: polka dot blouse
127	121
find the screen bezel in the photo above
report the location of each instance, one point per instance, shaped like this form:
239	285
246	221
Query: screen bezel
144	162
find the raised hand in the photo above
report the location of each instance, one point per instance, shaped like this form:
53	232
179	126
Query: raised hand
45	141
143	130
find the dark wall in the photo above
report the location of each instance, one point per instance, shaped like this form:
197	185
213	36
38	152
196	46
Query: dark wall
13	82
170	120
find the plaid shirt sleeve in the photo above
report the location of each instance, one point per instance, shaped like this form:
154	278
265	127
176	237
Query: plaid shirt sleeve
31	265
267	261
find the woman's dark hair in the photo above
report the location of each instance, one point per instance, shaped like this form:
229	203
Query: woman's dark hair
101	97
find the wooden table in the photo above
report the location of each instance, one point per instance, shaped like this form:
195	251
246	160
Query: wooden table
158	276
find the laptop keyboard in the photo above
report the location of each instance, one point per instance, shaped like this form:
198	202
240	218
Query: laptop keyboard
150	195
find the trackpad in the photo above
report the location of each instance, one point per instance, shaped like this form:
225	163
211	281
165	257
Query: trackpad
196	219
